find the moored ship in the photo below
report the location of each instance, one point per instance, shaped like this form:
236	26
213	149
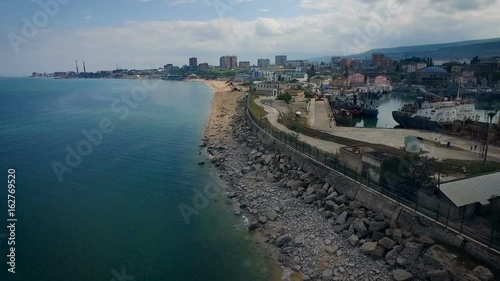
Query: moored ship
342	116
433	115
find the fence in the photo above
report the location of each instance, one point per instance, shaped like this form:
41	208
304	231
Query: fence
414	199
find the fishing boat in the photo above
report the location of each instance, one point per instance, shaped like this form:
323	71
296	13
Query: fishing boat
370	111
342	116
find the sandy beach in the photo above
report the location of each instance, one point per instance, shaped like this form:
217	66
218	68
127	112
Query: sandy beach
223	108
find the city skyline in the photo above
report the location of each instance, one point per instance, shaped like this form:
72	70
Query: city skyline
148	33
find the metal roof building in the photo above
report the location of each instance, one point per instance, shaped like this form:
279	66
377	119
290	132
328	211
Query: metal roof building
473	190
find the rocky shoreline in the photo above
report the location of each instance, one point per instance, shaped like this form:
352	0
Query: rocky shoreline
309	227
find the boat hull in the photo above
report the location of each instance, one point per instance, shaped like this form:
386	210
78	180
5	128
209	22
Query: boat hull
342	118
370	113
408	122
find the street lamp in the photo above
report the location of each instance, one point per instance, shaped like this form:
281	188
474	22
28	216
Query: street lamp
491	114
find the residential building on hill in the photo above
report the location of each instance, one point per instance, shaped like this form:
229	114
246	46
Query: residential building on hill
193	62
203	66
280	60
381	61
263	63
356	80
433	76
228	62
268	88
382	80
244	64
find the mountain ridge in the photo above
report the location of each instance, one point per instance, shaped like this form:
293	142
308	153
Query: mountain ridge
439	51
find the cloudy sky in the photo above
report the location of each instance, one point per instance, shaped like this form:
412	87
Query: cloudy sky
48	35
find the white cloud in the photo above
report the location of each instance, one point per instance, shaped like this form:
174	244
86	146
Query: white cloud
264	10
354	26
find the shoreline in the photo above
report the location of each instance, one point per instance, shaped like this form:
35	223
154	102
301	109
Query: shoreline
309	241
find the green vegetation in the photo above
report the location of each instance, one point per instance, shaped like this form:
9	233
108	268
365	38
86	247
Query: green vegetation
412	60
256	109
286	97
308	93
491	76
409	169
299	125
217	73
472	168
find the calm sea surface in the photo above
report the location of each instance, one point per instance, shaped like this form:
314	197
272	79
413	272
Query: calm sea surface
102	167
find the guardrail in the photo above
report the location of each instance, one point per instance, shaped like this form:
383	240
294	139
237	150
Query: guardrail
412	200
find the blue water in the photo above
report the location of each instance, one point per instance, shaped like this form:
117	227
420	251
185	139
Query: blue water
114	208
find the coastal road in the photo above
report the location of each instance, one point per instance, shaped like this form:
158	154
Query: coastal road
273	115
390	137
311	114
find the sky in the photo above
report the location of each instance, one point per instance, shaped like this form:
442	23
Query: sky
49	35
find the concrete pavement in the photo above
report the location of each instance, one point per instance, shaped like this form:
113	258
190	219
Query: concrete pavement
390	137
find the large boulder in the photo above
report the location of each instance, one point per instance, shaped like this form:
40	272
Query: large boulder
294	184
353	239
401	275
310	199
438	275
483	273
272	215
268	159
342	218
327	274
283	240
379	252
378	226
368	247
387	243
359	226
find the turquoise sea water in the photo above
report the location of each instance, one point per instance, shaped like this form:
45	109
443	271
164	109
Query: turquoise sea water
114	215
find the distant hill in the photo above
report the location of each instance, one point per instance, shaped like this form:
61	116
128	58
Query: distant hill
457	50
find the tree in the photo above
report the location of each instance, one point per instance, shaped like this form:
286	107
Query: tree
346	72
308	93
475	60
422	171
398	67
286	97
311	73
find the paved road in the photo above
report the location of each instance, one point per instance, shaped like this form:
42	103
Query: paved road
321	116
311	114
390	137
272	116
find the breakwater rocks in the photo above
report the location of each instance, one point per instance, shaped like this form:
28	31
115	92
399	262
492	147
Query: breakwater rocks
314	231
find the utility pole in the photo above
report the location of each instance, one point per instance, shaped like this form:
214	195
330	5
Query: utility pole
490	115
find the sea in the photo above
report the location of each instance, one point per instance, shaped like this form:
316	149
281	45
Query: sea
108	186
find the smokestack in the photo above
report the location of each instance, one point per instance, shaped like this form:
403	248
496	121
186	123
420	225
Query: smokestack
84	71
76	62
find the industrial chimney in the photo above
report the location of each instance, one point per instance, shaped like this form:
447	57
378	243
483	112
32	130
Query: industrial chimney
76	62
84	71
